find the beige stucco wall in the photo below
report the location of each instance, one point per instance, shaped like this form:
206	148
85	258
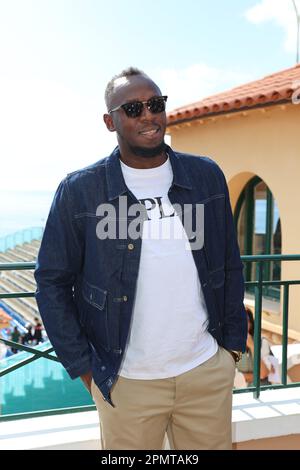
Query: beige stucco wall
291	442
263	142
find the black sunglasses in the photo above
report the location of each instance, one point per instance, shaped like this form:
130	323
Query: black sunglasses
134	109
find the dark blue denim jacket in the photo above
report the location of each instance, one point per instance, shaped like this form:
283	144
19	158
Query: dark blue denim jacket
86	286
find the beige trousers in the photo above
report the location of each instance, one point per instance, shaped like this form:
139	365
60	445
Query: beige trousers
194	409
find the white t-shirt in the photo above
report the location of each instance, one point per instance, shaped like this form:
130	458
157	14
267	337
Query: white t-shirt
168	333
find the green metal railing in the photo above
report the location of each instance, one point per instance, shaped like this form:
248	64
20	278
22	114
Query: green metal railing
261	261
36	354
258	285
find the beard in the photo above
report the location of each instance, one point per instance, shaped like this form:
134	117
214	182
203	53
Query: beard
145	152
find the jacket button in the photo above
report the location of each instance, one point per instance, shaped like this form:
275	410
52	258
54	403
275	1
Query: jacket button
130	246
103	368
125	298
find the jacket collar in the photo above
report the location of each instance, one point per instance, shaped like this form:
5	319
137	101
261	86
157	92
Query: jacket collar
115	181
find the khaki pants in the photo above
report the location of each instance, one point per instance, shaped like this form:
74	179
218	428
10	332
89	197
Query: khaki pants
194	409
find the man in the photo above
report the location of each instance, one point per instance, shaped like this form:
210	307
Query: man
38	331
143	312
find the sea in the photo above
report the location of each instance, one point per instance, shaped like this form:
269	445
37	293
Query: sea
20	210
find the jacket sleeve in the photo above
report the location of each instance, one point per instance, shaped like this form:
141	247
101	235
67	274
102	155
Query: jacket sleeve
58	264
235	319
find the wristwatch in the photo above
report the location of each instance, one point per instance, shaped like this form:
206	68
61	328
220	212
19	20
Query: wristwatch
237	355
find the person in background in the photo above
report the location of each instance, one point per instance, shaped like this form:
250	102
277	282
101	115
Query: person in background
27	337
15	337
246	364
38	328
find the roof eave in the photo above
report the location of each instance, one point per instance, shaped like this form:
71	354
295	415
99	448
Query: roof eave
226	112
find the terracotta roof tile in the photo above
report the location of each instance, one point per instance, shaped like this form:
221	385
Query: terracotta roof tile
273	88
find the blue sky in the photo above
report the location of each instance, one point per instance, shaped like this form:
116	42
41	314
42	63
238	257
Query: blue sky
56	57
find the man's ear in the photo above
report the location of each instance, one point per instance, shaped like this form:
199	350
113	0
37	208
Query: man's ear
109	122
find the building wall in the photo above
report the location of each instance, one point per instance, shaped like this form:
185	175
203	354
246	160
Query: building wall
291	442
263	142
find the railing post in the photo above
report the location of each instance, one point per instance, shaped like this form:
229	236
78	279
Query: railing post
257	328
285	315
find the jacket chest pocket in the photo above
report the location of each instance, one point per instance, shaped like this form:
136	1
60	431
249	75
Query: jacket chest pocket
96	315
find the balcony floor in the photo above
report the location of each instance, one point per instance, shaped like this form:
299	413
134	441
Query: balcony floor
276	415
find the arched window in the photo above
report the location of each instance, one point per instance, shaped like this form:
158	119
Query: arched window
259	230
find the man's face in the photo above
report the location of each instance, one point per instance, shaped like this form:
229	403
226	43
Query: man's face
143	135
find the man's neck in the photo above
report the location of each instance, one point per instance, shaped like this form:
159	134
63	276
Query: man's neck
143	163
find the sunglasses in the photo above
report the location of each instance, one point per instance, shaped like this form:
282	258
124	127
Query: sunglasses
134	109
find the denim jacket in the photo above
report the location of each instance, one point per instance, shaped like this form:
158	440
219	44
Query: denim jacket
86	285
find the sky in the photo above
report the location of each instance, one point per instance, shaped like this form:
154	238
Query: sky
56	57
